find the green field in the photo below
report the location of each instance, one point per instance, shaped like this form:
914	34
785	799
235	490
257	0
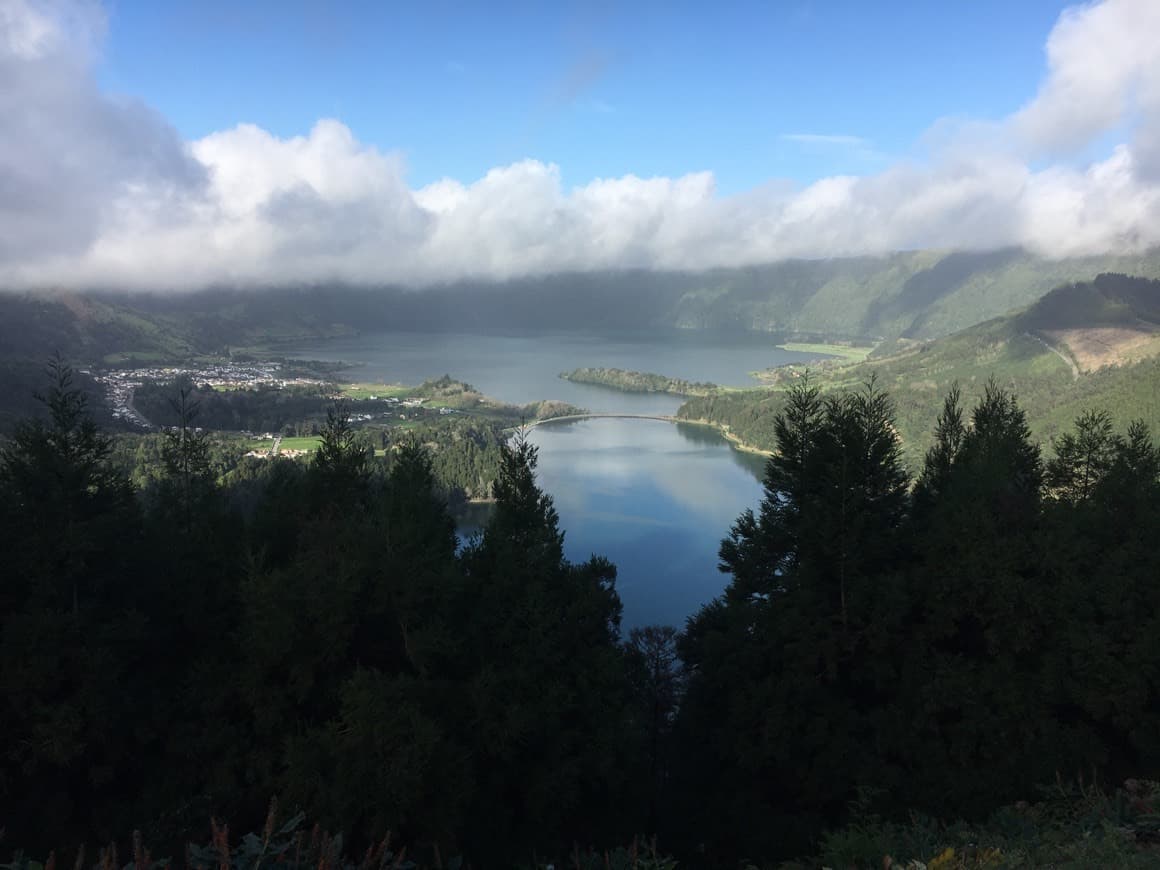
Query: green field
379	391
844	352
305	443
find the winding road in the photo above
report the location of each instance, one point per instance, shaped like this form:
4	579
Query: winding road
1068	360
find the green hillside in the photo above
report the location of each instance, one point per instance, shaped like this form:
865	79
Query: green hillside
1017	350
86	328
918	295
83	329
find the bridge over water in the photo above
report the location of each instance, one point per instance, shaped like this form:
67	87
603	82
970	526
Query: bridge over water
596	416
664	418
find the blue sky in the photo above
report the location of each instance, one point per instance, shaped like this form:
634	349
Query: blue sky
601	89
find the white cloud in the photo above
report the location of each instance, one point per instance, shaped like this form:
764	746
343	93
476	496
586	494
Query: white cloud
97	191
1102	67
69	154
26	33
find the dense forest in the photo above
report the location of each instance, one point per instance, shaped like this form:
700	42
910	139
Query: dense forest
175	652
265	408
463	447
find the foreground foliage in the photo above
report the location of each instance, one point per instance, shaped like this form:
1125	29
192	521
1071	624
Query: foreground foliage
948	647
182	652
287	844
1069	828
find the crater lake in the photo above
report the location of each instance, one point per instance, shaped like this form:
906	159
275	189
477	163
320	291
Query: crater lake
655	498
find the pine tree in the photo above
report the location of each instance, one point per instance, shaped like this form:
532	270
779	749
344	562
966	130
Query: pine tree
658	684
762	551
70	627
1099	554
948	434
547	681
195	545
1082	458
61	489
800	643
984	614
185	456
998	463
342	460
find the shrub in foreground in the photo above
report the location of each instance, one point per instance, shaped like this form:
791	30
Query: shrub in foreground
1069	827
290	846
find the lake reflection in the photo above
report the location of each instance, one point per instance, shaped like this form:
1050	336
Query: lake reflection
654	498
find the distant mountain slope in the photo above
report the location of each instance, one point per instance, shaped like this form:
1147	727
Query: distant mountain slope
918	295
83	328
1110	321
915	295
1043	353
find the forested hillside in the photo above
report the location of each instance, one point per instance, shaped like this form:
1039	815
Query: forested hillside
947	644
1088	345
919	295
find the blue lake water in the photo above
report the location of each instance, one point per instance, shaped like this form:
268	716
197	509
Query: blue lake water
656	498
525	367
653	497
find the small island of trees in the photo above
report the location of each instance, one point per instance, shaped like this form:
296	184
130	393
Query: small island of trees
638	382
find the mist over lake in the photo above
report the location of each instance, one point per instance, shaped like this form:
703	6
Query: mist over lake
654	497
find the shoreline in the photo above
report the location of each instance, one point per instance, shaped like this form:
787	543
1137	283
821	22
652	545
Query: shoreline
342	367
723	431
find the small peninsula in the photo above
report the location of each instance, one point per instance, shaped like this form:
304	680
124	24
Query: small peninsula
639	382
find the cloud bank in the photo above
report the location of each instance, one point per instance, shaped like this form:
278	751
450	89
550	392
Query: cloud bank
97	191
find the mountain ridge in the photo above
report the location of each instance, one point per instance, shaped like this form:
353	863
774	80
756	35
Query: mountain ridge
911	295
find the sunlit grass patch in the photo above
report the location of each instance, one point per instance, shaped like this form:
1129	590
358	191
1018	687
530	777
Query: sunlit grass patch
845	352
365	390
